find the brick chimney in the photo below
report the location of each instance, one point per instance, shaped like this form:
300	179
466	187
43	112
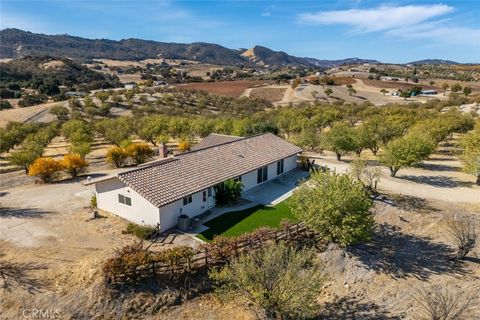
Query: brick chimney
163	150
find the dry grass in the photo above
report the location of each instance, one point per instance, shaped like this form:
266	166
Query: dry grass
269	94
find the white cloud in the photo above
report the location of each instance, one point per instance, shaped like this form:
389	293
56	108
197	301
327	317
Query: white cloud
266	14
377	19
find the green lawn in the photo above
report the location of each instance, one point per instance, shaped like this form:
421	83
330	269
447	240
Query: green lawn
235	223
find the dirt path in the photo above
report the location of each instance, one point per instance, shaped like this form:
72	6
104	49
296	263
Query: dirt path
33	113
437	179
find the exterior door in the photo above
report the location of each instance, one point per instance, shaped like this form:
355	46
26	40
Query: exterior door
210	198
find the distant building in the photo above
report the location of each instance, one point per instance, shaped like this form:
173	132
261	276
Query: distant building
75	94
428	92
389	79
130	85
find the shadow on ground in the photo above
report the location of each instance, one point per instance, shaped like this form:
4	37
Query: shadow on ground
437	181
17	275
402	255
9	212
437	167
347	308
407	203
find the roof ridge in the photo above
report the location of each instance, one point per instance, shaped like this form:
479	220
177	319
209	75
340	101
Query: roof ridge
225	143
224	135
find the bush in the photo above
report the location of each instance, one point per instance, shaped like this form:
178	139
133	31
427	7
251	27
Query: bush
140	152
228	191
117	156
93	201
282	281
184	145
4	104
463	231
447	301
45	168
142	232
74	164
336	206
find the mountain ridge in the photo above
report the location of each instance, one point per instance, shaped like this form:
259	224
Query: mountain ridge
17	43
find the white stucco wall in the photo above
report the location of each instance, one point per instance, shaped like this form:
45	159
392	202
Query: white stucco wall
141	211
169	213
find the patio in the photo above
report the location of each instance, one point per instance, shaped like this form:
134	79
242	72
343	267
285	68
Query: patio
262	206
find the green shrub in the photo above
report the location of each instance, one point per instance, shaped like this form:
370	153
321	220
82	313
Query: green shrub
142	232
228	192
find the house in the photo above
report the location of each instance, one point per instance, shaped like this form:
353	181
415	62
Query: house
160	191
429	92
130	85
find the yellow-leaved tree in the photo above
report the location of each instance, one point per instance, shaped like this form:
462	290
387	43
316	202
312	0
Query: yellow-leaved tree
45	168
74	164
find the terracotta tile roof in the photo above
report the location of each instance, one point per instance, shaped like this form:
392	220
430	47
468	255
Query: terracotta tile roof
193	171
214	139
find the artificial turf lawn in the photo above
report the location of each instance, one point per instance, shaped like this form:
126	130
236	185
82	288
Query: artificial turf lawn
235	223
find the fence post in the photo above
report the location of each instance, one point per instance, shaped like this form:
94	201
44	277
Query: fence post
206	257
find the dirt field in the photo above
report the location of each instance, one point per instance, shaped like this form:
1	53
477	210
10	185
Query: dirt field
396	84
33	113
232	89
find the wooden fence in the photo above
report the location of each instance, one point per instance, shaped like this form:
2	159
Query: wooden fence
216	253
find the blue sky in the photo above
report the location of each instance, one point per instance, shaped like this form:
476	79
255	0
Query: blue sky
390	31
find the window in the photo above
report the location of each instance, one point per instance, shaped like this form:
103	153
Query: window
262	174
187	200
125	200
279	167
204	195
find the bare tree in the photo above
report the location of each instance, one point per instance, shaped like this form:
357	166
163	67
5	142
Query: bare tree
463	232
448	301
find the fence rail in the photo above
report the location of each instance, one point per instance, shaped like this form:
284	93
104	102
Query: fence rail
214	254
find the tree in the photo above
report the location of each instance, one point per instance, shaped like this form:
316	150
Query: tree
81	148
74	164
336	206
471	153
368	175
117	156
149	128
339	139
456	87
140	152
279	279
467	91
328	92
26	156
445	87
115	130
102	96
228	191
45	168
405	152
350	89
463	231
60	112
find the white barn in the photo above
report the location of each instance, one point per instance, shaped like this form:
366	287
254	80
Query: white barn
160	191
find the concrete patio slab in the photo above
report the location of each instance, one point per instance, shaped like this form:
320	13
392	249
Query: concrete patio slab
276	190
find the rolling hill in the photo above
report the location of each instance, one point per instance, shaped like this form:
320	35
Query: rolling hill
17	43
